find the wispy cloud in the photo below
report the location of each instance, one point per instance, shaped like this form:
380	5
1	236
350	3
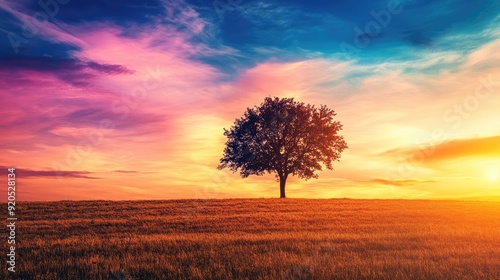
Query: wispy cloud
125	171
400	183
28	173
481	147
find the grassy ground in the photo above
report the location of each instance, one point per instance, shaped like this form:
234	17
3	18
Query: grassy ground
257	239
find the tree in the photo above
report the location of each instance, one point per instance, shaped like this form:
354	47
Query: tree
285	137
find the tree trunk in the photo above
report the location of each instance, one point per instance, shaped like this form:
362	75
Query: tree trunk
282	186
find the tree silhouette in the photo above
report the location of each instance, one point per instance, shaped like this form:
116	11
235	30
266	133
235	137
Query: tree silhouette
285	137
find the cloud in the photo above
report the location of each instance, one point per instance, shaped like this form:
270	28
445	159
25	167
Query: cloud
320	26
69	70
130	76
51	30
50	64
400	183
28	173
484	147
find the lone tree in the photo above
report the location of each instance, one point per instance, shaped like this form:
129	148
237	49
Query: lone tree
285	137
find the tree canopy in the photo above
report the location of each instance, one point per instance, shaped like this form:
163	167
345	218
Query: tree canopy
285	137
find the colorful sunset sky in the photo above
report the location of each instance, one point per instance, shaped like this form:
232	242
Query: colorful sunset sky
116	99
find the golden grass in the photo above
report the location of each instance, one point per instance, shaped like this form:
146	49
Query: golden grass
257	239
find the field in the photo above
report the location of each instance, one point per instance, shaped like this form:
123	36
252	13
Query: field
257	239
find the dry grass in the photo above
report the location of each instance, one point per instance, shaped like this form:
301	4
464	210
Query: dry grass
258	239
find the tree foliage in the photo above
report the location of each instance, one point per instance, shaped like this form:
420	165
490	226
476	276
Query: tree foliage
285	137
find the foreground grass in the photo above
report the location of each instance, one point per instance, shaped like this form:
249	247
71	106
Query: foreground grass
257	239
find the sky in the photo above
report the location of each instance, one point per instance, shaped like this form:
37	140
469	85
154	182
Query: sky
128	100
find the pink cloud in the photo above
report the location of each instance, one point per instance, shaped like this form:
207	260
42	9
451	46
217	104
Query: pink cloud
32	25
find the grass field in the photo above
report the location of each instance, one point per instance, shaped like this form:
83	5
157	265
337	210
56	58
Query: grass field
257	239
